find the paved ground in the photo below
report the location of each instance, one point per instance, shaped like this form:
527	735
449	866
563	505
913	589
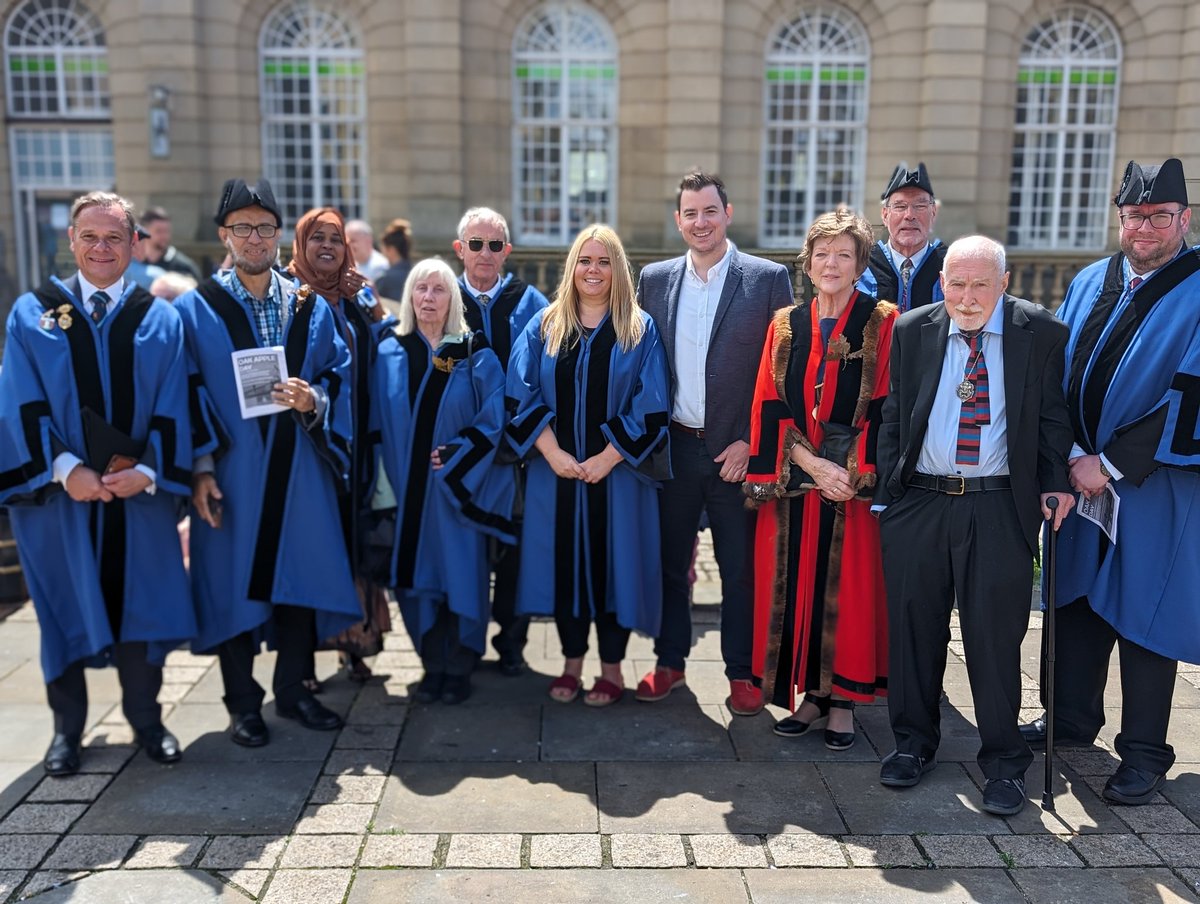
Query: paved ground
512	797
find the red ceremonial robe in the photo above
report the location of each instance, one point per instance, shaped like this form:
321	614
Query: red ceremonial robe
820	612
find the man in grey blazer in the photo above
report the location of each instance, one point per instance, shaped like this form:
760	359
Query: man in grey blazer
712	307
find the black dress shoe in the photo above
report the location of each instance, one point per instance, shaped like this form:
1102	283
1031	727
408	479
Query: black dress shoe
159	744
1004	796
840	740
1034	734
62	756
249	730
430	688
456	689
903	770
311	714
512	663
1133	786
791	727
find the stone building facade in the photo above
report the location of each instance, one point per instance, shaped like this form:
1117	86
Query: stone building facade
558	112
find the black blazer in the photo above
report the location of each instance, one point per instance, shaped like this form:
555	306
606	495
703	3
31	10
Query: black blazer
1039	431
755	288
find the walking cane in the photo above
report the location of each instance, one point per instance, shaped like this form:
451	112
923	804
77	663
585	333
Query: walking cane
1048	629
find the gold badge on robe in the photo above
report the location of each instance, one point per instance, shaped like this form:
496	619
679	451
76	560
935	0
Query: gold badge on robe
445	365
64	316
46	321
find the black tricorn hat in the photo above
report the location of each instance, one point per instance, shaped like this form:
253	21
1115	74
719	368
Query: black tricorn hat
903	177
238	194
1152	184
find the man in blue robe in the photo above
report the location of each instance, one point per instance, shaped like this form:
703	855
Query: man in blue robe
905	268
1133	388
499	305
269	559
95	455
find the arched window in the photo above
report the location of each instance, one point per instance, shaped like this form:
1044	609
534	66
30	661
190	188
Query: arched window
60	132
564	115
57	64
1066	115
815	121
313	109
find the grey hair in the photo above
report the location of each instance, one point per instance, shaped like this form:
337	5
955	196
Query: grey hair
487	215
104	199
359	226
456	317
978	246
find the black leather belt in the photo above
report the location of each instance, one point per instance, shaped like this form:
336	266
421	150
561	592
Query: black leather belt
697	432
956	486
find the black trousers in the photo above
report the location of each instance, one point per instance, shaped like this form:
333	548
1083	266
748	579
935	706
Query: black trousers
295	643
442	653
1083	646
514	629
140	683
936	549
697	487
573	635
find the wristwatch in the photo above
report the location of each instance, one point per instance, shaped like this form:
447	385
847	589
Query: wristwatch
1103	470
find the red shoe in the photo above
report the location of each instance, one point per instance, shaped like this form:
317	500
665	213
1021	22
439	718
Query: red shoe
744	698
658	684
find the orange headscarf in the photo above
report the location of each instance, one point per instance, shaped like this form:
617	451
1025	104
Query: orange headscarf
300	267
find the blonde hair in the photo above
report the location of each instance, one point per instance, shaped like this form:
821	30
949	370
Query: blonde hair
456	318
561	327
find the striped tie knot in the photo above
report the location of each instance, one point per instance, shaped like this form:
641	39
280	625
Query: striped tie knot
976	410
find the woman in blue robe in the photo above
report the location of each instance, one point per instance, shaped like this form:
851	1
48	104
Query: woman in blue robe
588	383
437	404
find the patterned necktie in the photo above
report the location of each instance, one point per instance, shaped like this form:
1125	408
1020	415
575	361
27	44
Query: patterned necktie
1135	282
100	302
906	270
976	409
483	298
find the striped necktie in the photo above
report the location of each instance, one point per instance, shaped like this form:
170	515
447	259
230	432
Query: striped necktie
100	302
976	410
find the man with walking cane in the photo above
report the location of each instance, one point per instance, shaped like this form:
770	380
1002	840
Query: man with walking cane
972	449
1133	393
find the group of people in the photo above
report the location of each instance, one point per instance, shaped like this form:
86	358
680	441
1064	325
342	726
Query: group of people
865	459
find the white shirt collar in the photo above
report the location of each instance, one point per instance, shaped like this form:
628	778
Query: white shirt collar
87	289
490	293
995	323
897	258
716	269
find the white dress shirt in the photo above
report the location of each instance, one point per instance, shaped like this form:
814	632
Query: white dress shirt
698	300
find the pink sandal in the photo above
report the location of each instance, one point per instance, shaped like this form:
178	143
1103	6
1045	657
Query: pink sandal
604	693
568	683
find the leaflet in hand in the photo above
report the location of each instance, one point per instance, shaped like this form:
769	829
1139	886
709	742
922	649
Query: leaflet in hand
1102	511
256	371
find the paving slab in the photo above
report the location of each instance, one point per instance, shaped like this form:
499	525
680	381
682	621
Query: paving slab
883	851
577	886
307	886
348	789
1077	808
1176	850
251	880
497	733
754	741
165	851
872	886
44	818
202	798
1037	851
400	850
17	780
10	879
358	762
321	851
202	729
582	851
1074	886
69	789
21	852
368	737
497	850
243	852
726	851
27	683
176	886
90	852
28	730
635	732
644	850
331	819
806	849
960	737
1183	790
945	802
1114	850
489	797
751	798
962	851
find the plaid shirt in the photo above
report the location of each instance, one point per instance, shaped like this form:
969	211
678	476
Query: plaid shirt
268	312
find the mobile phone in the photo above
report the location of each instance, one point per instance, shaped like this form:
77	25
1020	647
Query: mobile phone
120	463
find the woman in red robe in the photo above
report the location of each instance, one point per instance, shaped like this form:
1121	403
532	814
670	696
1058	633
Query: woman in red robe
820	614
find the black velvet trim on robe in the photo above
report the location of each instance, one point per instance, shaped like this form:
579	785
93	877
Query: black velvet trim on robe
887	283
498	314
31	426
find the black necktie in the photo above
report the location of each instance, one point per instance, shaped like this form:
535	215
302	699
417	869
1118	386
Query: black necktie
100	302
906	270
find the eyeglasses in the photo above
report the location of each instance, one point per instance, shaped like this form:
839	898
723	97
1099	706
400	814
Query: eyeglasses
494	245
243	230
902	208
1160	220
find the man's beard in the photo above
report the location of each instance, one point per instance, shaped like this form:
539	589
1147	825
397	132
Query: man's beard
249	267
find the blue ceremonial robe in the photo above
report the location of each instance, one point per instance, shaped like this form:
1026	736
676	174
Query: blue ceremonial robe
882	276
281	537
504	318
592	547
97	572
425	398
1133	364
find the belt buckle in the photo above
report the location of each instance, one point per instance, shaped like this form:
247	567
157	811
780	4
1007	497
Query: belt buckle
962	485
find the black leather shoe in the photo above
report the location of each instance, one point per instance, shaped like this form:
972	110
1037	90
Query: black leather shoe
1034	734
310	714
430	688
903	770
512	664
791	727
159	744
840	740
456	689
1133	786
249	730
62	756
1004	796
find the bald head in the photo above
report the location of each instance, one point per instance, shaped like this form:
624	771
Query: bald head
973	280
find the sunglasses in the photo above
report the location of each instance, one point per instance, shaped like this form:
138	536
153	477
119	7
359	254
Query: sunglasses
495	245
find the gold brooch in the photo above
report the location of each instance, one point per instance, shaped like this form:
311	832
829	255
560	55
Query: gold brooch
64	316
303	294
445	365
839	348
